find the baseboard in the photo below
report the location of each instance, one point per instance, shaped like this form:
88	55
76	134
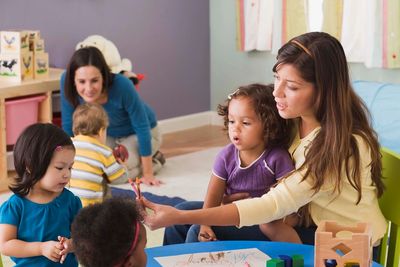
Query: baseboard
189	121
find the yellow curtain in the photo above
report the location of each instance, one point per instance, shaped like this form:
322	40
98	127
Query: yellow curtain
294	19
332	18
391	33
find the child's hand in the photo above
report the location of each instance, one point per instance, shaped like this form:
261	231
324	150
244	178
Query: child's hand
67	247
51	250
206	234
150	180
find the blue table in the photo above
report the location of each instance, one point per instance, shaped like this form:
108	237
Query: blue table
273	249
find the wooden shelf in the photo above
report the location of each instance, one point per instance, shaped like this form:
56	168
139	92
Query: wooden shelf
18	89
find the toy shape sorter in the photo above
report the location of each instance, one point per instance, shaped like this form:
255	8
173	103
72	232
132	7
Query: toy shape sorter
338	245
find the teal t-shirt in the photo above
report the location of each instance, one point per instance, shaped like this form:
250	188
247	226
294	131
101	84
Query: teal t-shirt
41	222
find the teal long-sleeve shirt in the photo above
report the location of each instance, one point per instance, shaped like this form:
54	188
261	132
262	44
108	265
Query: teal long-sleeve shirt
127	113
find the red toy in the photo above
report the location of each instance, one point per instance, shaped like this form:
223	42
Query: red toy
120	153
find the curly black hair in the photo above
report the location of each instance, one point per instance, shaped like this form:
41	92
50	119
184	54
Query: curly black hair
277	131
102	233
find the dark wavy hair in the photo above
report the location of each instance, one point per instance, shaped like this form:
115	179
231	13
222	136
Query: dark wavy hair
277	131
86	56
102	233
33	152
320	59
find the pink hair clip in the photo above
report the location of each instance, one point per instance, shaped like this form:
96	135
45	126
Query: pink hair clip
58	148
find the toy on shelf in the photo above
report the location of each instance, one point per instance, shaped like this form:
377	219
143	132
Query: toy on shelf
338	245
22	56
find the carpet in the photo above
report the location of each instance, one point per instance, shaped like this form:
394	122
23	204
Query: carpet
184	177
172	201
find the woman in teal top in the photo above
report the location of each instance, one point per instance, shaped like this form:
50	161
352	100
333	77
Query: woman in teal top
132	122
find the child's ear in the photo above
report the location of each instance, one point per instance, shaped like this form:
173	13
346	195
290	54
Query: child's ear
103	131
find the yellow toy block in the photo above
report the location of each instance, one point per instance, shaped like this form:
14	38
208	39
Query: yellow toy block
14	42
41	66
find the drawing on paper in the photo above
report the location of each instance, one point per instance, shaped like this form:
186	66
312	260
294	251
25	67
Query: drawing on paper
231	258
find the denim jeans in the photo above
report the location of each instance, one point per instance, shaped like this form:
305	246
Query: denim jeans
181	233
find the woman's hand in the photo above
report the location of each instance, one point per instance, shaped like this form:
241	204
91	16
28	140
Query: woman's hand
237	196
148	174
51	250
150	180
206	234
161	216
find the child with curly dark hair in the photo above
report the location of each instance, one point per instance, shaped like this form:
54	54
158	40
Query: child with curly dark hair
255	160
99	243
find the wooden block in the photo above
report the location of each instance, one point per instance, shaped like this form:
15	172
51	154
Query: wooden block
33	36
14	42
27	66
297	260
16	67
275	263
38	46
41	66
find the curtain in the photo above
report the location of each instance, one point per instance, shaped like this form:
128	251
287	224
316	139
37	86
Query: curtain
369	30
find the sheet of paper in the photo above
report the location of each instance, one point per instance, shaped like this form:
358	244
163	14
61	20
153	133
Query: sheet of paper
233	258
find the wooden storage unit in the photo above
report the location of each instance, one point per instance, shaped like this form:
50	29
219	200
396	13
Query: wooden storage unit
18	89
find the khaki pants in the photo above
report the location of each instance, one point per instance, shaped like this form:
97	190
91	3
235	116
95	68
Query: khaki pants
133	164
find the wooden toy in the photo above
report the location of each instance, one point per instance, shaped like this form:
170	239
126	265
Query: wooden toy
338	245
41	66
275	263
38	46
16	67
14	42
33	37
297	261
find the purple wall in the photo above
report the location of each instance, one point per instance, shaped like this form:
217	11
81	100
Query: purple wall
167	40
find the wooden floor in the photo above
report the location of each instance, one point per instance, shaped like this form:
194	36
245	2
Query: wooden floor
192	140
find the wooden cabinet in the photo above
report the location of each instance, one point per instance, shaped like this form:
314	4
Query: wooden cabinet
25	88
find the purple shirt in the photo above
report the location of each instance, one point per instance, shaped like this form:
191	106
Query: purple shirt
258	177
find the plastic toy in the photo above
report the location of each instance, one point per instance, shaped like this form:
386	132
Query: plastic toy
120	153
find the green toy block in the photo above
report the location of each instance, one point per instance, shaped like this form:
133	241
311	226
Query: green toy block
297	261
275	263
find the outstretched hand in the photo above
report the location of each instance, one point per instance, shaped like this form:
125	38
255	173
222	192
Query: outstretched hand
161	215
